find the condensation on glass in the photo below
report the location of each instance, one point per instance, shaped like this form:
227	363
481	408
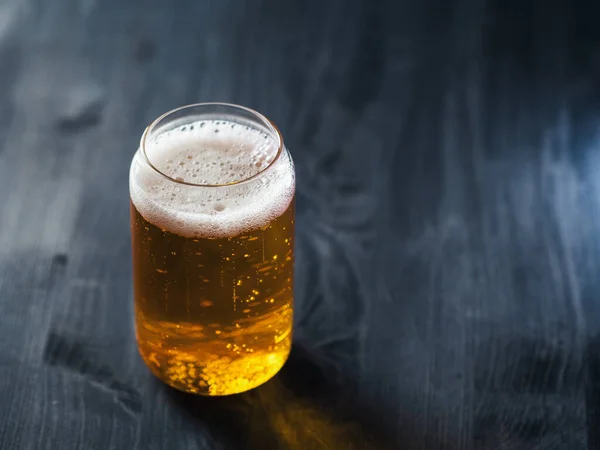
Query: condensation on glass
212	220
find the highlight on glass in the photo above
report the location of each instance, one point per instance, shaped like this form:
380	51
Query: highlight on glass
212	191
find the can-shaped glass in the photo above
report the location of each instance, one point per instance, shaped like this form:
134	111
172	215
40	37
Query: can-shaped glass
212	190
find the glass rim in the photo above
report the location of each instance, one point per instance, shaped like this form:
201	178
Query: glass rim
265	121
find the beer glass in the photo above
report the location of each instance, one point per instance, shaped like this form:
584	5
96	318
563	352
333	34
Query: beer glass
212	223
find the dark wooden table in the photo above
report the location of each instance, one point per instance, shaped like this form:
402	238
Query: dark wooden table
448	248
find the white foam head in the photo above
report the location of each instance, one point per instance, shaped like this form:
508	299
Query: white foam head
221	153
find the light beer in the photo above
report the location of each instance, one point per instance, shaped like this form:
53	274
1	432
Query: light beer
212	220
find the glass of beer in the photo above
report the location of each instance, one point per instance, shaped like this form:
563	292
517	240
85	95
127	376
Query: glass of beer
212	221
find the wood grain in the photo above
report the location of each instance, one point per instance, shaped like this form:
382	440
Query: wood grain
448	214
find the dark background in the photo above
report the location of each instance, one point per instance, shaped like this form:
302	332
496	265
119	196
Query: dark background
448	251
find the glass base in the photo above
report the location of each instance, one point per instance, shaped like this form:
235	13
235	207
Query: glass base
214	374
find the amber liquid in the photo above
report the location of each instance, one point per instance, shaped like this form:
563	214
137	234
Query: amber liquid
214	316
